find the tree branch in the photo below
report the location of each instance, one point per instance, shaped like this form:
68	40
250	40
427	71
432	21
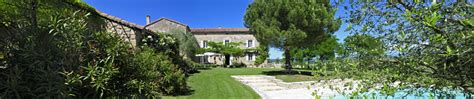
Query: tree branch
418	18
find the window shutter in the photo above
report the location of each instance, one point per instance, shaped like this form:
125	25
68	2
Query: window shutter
247	57
253	58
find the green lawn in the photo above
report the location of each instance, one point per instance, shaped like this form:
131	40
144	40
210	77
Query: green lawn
216	83
295	78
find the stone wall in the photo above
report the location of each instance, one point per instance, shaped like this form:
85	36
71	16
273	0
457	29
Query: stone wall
164	25
127	33
233	37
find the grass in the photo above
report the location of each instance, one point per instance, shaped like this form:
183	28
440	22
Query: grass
295	78
216	83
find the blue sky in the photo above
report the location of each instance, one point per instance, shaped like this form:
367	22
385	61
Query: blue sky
194	13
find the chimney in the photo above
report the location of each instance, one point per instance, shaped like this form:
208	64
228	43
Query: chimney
147	19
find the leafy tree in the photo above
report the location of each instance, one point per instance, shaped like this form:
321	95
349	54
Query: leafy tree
430	42
263	55
361	46
327	49
188	45
288	24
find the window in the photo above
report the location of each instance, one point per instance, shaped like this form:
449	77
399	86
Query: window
250	57
250	43
226	42
204	44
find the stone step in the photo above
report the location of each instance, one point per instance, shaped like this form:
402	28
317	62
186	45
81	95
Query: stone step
249	78
272	88
263	84
256	81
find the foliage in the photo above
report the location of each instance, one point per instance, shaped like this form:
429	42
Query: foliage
188	45
288	24
163	43
152	73
170	46
41	43
423	45
325	50
55	49
238	65
364	48
97	76
361	46
231	48
262	55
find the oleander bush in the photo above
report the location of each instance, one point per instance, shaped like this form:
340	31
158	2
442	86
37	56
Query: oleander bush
154	73
168	45
56	49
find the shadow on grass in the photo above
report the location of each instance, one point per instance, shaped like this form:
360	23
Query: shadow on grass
283	72
188	92
205	68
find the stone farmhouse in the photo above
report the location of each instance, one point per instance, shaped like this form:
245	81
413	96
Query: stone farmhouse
133	33
227	35
205	35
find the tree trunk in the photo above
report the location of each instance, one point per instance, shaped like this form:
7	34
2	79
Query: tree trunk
33	16
287	60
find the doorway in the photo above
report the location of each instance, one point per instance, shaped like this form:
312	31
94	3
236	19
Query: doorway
227	60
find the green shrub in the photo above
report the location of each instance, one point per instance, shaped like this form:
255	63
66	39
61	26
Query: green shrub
152	73
168	45
237	65
203	66
188	45
68	54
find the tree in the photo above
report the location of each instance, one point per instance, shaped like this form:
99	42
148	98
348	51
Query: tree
325	50
361	46
431	42
262	55
287	24
187	43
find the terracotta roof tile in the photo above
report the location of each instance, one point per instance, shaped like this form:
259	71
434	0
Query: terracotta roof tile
220	30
